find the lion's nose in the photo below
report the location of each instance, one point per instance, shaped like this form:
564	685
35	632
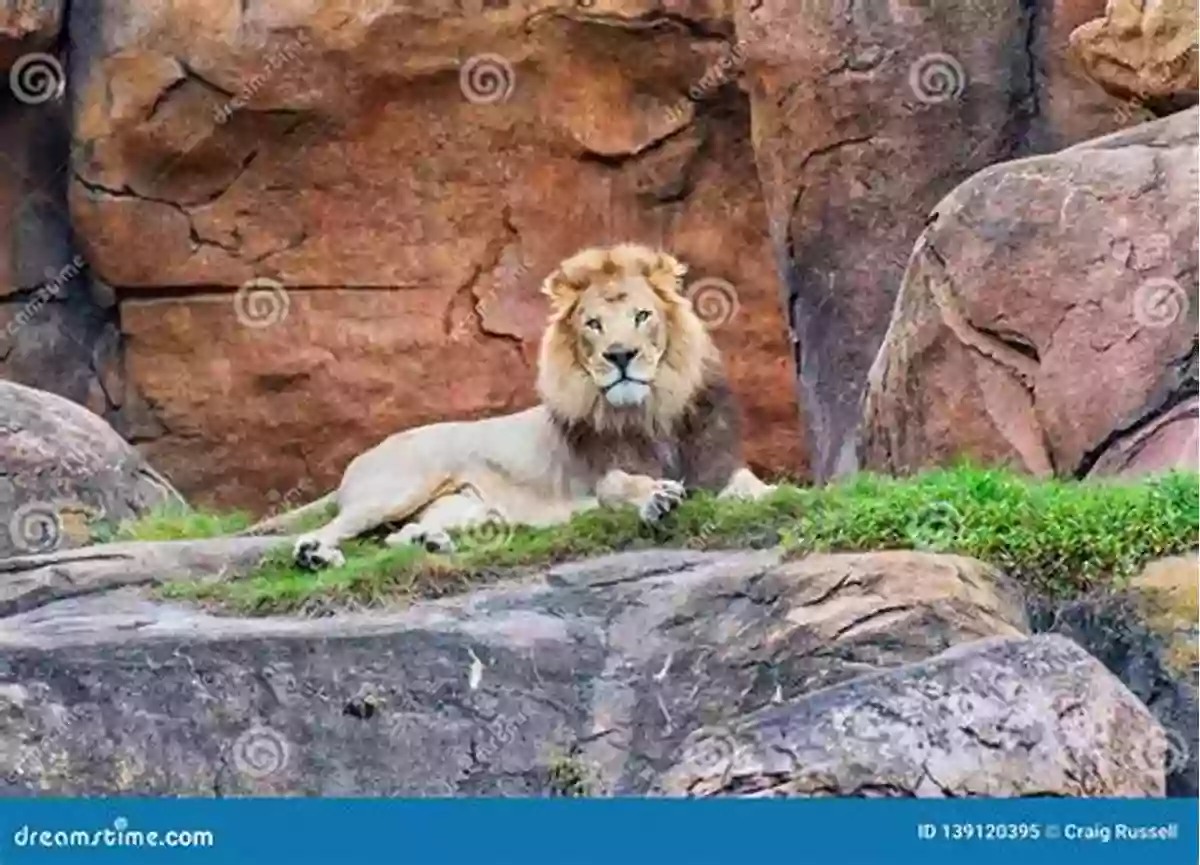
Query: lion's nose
620	357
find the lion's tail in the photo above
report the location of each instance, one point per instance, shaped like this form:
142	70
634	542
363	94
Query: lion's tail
286	521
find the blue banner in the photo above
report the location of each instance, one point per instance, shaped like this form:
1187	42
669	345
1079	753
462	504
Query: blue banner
598	831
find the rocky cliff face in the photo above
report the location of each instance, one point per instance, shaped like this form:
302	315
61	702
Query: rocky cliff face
294	228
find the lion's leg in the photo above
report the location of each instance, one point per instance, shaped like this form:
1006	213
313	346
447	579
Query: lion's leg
431	529
321	549
653	498
744	484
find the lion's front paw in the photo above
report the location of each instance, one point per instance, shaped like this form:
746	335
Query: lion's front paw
313	554
664	498
415	534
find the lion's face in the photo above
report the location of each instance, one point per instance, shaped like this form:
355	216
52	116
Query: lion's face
623	346
620	336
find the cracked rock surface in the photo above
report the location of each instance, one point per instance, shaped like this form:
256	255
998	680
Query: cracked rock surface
865	115
997	717
1048	316
608	664
403	218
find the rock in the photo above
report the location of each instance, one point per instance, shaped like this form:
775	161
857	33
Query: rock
865	115
1170	596
29	582
55	333
62	468
1047	318
391	220
590	675
1145	634
998	718
27	26
1145	51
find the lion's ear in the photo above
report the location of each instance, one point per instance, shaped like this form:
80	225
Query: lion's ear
561	291
666	273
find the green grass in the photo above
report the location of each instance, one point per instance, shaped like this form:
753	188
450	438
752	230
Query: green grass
1060	538
176	522
172	522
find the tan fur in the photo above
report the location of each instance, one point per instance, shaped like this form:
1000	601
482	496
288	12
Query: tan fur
629	379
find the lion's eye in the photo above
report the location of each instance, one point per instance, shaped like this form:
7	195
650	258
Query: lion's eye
593	324
640	316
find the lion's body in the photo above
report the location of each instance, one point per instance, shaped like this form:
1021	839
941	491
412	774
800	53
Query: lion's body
635	410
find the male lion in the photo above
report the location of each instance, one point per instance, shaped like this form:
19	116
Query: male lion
634	410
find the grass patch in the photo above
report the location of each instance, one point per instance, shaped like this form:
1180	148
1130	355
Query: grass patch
172	521
1060	538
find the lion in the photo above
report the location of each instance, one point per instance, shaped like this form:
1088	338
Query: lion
634	410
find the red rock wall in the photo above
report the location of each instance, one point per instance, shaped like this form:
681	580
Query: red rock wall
407	222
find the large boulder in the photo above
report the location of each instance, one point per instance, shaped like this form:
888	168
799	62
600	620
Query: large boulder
1047	318
317	240
596	671
1143	50
63	468
1000	717
865	115
1146	633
